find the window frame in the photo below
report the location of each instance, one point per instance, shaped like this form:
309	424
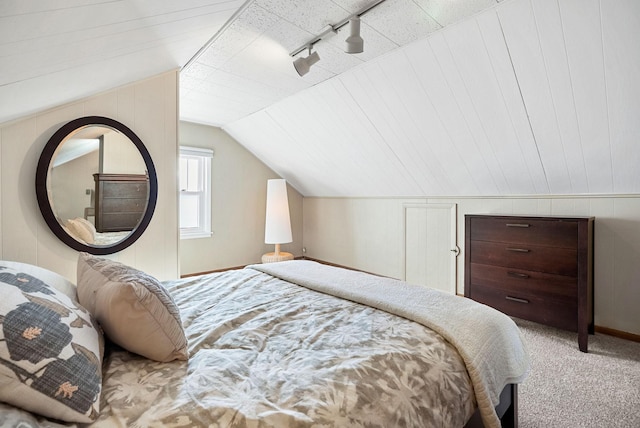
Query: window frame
204	156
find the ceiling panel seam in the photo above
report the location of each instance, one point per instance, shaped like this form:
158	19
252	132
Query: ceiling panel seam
446	179
553	98
606	98
462	115
524	104
430	162
504	101
428	14
585	137
380	134
371	160
439	117
553	51
54	9
218	33
483	130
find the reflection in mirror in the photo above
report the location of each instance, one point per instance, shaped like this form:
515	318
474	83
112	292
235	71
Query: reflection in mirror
91	162
99	183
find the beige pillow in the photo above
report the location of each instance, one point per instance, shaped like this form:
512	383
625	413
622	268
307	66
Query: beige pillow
51	349
80	231
133	308
88	226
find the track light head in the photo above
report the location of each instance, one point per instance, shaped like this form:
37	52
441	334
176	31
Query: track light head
355	43
303	65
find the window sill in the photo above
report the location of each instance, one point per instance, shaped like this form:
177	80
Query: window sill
195	235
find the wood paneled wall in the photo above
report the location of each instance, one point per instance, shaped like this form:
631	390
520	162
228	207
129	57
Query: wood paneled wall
150	109
367	234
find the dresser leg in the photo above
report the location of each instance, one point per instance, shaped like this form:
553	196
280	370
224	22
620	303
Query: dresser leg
583	338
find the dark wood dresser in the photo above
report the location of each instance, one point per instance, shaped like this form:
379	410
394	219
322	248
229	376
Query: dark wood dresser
121	200
534	268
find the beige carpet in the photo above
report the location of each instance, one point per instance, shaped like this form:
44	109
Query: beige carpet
567	388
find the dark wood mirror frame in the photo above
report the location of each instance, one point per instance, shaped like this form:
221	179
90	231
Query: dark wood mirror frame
43	197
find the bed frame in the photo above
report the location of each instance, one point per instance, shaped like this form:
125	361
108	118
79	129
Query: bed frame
507	409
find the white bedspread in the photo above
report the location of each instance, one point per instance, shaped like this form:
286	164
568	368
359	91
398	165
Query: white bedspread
489	342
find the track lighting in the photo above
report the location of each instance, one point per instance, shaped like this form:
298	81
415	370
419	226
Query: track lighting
354	42
302	65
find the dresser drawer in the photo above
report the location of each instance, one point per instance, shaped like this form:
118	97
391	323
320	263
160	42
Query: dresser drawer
560	261
560	314
558	287
553	233
119	205
116	222
119	189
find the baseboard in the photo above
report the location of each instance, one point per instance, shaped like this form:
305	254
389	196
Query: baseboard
341	266
617	333
329	263
188	275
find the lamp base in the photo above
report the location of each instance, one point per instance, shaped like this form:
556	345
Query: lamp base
276	257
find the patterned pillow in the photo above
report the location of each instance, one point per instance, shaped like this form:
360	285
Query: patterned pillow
50	349
133	308
52	279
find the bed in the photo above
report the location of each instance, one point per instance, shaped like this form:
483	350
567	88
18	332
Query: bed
291	344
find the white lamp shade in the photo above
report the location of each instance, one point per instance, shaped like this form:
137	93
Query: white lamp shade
278	223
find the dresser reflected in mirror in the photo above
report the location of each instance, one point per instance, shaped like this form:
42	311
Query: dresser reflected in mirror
96	185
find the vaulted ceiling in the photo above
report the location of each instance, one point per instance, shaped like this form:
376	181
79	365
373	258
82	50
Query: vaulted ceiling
247	66
449	97
529	97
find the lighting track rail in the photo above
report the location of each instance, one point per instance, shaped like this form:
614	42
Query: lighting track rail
333	29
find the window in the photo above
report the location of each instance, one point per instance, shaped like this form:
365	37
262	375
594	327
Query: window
195	192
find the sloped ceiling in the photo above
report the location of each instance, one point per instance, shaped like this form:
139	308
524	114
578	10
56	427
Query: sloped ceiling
528	97
450	97
247	66
56	51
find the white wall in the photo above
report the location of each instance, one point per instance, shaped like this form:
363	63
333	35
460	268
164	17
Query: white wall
368	234
238	198
69	183
149	108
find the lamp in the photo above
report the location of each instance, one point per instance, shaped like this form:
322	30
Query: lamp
277	222
354	42
302	65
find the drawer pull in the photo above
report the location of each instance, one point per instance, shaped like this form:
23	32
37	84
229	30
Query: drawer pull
516	299
518	225
517	274
518	250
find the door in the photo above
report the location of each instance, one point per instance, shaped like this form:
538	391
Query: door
430	250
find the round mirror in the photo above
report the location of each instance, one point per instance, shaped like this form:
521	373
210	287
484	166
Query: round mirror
96	185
